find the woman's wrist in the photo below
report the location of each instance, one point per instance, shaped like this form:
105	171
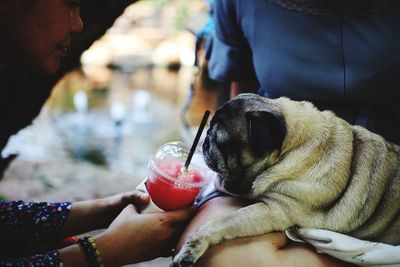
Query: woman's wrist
109	250
89	251
88	215
72	256
104	213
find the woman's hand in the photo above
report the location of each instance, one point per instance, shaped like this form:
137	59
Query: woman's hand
99	213
134	237
116	203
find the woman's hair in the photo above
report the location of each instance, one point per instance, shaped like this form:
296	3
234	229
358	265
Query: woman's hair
27	5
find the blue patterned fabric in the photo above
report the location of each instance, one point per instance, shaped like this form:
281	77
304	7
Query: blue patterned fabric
29	232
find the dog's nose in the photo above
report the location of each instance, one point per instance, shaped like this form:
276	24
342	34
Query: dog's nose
233	188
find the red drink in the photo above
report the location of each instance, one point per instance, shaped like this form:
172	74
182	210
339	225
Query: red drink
169	185
171	194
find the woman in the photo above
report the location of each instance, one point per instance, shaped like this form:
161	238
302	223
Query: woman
341	55
36	36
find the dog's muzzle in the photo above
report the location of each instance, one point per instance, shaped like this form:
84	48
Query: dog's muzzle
210	161
219	185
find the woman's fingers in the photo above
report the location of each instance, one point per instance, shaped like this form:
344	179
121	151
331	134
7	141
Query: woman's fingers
138	198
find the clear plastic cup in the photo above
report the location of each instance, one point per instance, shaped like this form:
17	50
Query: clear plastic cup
169	184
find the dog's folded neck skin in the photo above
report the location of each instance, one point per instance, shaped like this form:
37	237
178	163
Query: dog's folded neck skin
309	133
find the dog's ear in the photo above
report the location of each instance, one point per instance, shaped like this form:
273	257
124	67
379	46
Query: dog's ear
265	130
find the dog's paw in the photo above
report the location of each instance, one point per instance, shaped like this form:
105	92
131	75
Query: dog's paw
191	251
183	259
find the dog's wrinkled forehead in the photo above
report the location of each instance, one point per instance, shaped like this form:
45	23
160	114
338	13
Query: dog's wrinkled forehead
231	109
238	106
227	118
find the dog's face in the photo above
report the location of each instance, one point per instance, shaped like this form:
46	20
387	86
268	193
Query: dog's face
242	134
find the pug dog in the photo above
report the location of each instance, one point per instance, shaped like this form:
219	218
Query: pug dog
301	167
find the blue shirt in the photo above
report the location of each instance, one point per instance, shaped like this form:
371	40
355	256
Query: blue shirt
350	65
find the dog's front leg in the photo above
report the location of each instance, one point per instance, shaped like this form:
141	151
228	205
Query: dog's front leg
256	219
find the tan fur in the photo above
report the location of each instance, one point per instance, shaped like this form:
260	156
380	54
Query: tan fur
327	174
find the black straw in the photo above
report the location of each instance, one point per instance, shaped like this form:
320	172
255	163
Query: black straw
197	138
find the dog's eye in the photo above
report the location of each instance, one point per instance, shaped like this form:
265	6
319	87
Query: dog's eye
226	147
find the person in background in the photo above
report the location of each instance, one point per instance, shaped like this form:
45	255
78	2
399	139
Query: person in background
36	36
204	93
341	55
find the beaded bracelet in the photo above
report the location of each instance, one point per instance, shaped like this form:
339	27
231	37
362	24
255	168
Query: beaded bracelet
90	252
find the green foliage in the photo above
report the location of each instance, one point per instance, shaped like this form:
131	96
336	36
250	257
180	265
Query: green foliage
183	11
183	15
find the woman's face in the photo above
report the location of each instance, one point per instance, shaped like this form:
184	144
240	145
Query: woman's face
38	37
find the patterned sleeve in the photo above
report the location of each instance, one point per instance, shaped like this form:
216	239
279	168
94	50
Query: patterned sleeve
28	228
48	259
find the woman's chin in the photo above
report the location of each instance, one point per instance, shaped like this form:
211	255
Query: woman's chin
48	68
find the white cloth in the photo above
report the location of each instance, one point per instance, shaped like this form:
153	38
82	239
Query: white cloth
349	249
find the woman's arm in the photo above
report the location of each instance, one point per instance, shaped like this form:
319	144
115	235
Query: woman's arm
130	238
99	213
243	87
134	237
267	250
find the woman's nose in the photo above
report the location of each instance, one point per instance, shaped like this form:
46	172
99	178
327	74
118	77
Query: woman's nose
77	23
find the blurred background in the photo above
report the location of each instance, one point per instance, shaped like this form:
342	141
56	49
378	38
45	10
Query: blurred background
105	118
